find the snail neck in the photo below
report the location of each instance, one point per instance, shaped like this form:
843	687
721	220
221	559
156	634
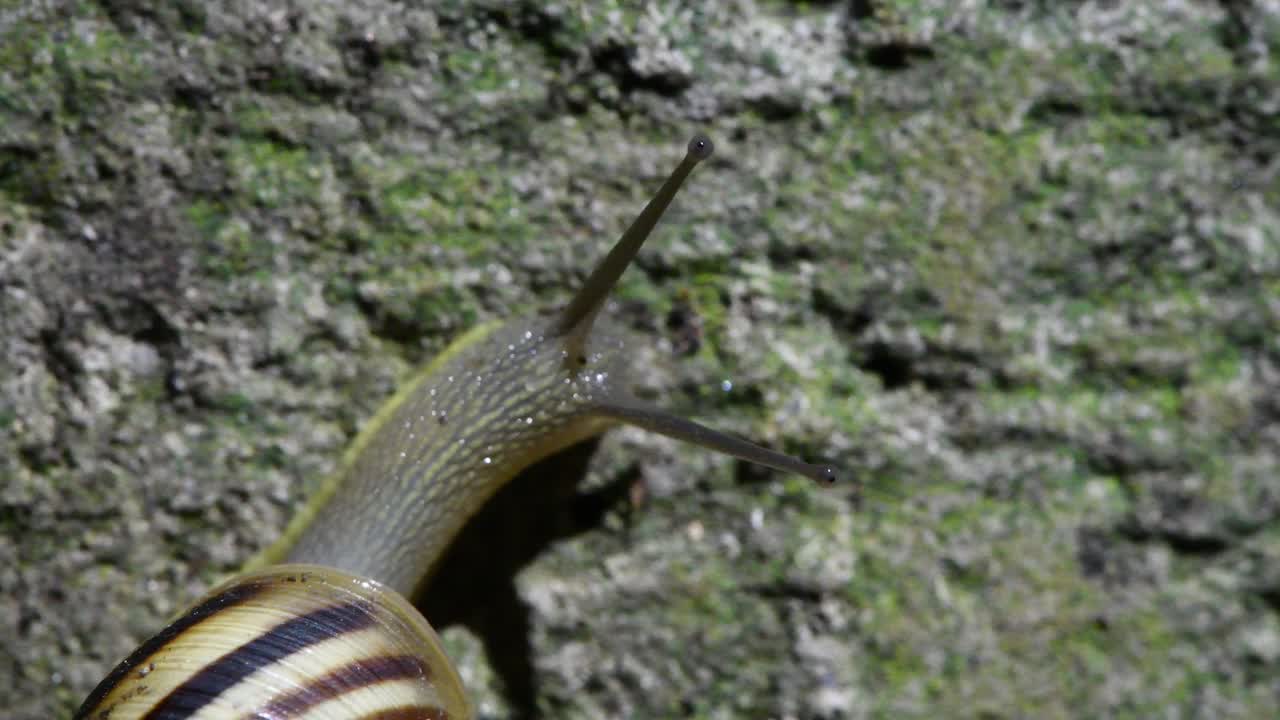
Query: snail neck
498	400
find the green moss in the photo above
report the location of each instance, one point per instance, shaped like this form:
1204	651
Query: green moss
235	251
235	405
273	456
273	175
1220	364
420	206
482	72
208	217
1190	56
79	71
254	119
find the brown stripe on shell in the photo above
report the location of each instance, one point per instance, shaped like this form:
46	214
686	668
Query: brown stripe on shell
229	598
352	676
215	664
206	685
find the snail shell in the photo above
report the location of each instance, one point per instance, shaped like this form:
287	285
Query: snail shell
290	641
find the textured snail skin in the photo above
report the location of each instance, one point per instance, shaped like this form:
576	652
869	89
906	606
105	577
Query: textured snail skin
296	640
501	398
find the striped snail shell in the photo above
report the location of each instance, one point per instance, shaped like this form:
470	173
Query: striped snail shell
290	641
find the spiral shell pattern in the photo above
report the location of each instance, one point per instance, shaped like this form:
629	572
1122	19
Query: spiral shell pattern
291	641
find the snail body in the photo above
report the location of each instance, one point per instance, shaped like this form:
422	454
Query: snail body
277	641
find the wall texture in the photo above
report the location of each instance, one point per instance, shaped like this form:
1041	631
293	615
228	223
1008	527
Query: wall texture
1015	266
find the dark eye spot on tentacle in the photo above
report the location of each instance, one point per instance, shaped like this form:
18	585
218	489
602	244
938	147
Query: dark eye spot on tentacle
701	147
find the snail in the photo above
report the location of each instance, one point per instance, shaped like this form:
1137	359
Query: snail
319	624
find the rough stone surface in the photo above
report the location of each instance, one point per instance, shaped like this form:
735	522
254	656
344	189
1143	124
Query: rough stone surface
1014	266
